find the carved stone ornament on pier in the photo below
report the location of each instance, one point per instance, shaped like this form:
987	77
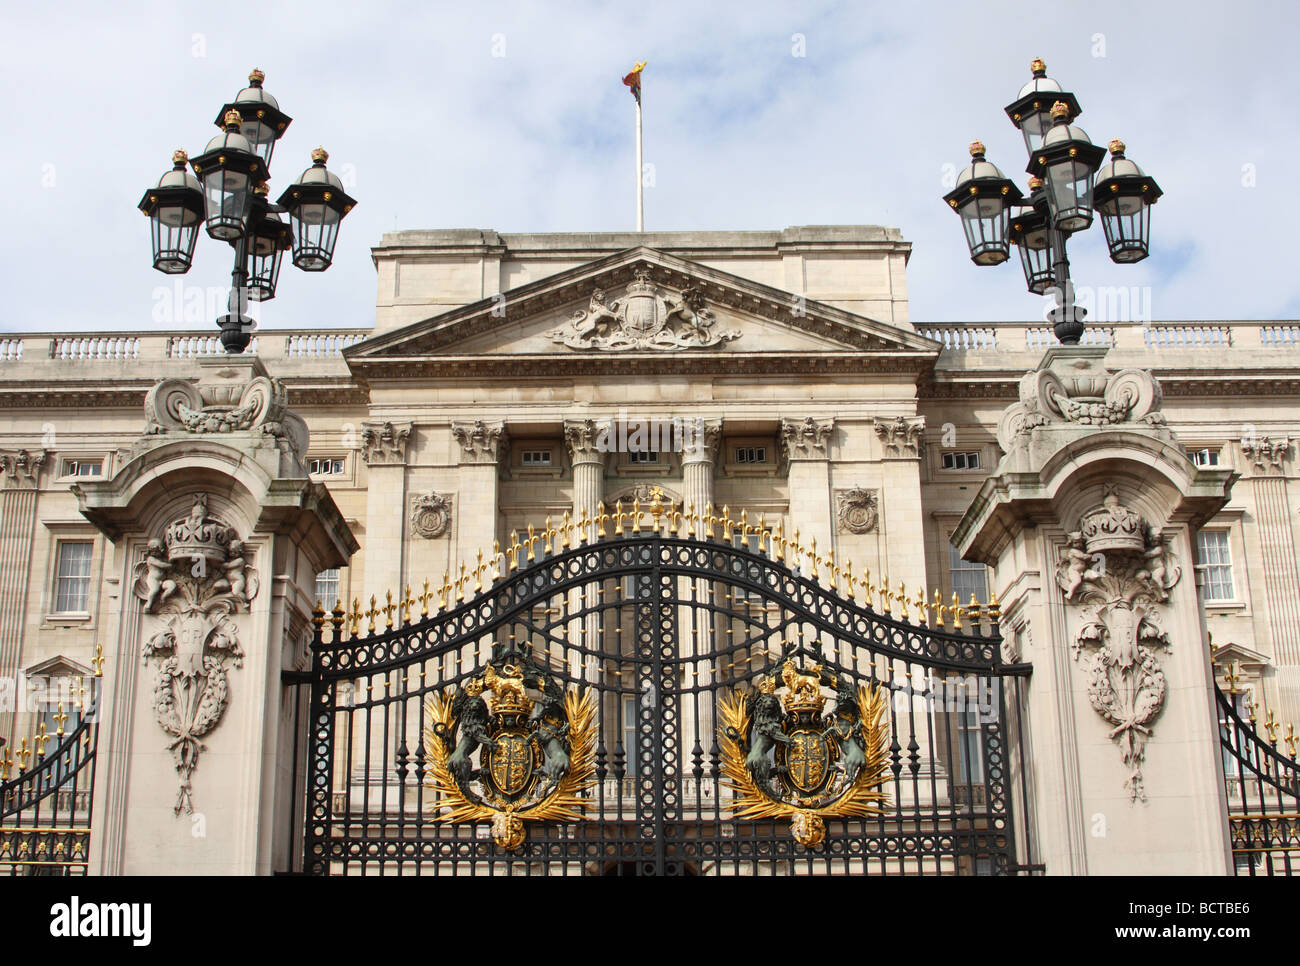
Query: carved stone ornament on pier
223	402
1074	388
384	442
806	439
430	515
645	318
901	436
858	510
193	580
480	441
1118	571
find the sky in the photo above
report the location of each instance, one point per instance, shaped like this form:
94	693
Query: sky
758	115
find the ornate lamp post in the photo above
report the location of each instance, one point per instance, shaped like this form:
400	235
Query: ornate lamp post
1064	164
228	194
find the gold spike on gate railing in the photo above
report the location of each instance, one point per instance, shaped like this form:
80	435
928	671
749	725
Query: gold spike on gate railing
848	579
318	616
1271	724
337	616
995	612
922	613
778	542
61	719
478	575
40	740
356	616
407	601
832	570
901	597
496	561
1291	739
884	594
424	599
98	660
812	554
867	590
618	518
444	592
636	514
388	610
957	611
547	534
6	763
708	522
601	519
727	523
372	613
584	534
674	521
690	520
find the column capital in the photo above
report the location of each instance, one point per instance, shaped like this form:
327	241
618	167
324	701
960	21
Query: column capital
807	438
22	469
481	441
582	438
1261	452
901	436
700	440
385	442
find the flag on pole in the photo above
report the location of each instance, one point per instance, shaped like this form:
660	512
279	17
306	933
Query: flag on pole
633	80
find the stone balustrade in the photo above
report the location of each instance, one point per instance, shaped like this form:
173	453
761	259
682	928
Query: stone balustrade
18	350
1035	337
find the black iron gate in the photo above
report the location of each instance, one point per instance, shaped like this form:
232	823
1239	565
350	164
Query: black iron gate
651	693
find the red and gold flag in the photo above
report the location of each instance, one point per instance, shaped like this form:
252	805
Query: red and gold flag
633	80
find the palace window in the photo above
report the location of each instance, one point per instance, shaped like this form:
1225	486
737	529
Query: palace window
325	467
960	461
643	456
967	578
83	467
72	577
327	588
535	457
1215	565
751	454
1204	457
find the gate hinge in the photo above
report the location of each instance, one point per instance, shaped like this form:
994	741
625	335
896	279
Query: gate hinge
295	677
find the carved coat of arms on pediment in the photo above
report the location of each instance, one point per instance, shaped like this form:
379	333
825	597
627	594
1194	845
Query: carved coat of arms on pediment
645	318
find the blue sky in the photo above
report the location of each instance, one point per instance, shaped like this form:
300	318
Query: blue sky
511	116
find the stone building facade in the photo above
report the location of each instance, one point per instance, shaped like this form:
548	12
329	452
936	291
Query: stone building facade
514	378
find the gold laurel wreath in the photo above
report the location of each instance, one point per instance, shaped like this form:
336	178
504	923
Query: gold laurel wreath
860	799
564	803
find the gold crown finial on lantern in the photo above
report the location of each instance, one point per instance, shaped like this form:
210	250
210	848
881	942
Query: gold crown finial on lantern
1116	147
255	77
1038	66
1060	110
1035	183
179	157
320	155
261	190
232	120
977	148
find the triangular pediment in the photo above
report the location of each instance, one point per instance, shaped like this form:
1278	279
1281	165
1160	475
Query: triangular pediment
647	308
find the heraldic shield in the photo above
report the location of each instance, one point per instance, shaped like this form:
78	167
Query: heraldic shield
785	756
534	743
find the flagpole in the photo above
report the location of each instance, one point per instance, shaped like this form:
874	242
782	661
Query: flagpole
640	202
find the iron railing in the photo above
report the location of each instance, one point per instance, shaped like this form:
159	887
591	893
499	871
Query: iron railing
45	809
1263	787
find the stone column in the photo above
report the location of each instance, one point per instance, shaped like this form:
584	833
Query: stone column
1268	460
1090	523
580	437
482	444
806	447
217	534
383	447
22	477
699	458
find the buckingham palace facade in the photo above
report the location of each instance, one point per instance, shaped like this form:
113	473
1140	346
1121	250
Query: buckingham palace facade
523	384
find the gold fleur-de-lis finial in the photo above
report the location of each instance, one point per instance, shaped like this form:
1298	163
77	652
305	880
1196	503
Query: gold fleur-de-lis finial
61	720
407	601
1271	724
1231	677
388	609
1290	739
98	660
41	739
424	599
373	613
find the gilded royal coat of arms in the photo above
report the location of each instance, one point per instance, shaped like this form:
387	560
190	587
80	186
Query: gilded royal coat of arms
785	756
510	746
